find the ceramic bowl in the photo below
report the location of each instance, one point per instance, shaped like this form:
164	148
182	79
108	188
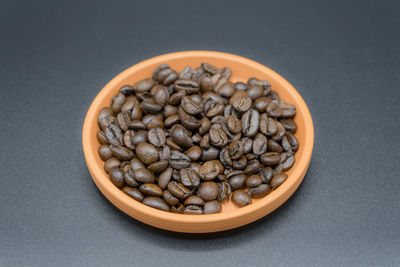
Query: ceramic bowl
230	216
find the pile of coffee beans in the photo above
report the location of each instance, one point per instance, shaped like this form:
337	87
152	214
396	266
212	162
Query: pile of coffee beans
184	142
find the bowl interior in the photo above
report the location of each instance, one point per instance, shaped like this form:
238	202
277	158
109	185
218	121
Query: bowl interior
242	69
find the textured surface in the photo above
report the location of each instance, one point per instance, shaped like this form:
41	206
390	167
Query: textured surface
342	57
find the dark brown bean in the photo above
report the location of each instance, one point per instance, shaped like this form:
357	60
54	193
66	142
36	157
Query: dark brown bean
210	170
133	193
151	190
270	158
121	152
266	174
250	123
260	191
147	153
194	200
254	180
224	191
181	136
193	209
240	101
241	198
111	163
169	198
158	166
252	167
178	190
234	124
117	177
259	144
274	146
237	181
189	178
178	160
144	176
240	164
164	178
208	191
194	153
156	202
212	207
143	85
105	152
156	137
278	179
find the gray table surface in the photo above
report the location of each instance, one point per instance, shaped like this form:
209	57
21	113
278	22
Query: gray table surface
342	56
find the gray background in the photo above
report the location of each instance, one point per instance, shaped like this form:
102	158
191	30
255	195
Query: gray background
342	56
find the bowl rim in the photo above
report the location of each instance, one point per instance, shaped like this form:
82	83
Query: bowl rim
104	183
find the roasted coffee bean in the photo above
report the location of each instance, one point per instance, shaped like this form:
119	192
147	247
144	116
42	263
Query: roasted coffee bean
194	200
177	208
218	80
234	124
171	121
225	157
212	207
194	153
266	174
237	181
111	163
236	150
137	113
170	110
136	125
240	164
174	146
156	137
128	139
144	176
226	90
260	191
287	161
205	141
206	83
259	144
176	176
209	153
169	198
224	191
101	137
274	146
104	113
289	142
252	167
117	177
193	209
156	202
205	125
280	132
226	72
289	125
274	110
121	152
240	86
158	166
164	178
178	160
210	170
254	180
151	190
133	193
247	144
190	106
167	76
188	86
123	120
251	156
208	191
270	158
165	152
188	121
143	85
114	135
136	164
149	106
241	198
105	152
218	137
176	98
186	73
179	190
196	138
147	153
189	178
261	103
129	177
181	136
288	110
153	121
278	179
117	102
250	123
255	91
268	126
106	122
209	68
240	101
160	94
126	90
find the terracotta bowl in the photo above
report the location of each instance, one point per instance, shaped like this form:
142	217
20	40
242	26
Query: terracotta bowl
231	216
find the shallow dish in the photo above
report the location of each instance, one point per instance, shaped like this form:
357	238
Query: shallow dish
230	216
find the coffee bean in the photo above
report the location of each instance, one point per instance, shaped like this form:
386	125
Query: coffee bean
176	98
126	90
259	144
268	126
190	106
205	141
247	144
236	149
105	152
250	123
280	132
261	103
194	153
278	179
226	90
188	121
114	135
133	193
147	153
171	144
160	94
137	112
210	170
156	202
117	102
288	110
177	208
181	136
186	73
156	137
255	91
274	110
117	177
205	125
212	207
210	153
170	110
188	86
266	174
209	68
149	106
240	101
254	180
289	125
136	125
252	167
194	200
171	120
206	83
136	164
104	113
240	164
151	190
225	158
153	121
144	176
196	138
158	166
143	85
287	161
274	146
193	209
234	124
101	137
178	160
260	191
241	198
123	120
237	181
218	137
270	158
240	86
121	152
178	190
111	163
208	191
169	198
129	177
289	142
164	178
224	191
189	178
